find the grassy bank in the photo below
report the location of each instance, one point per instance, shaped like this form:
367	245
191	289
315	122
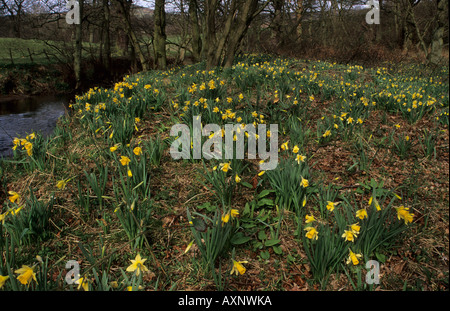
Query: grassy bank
362	175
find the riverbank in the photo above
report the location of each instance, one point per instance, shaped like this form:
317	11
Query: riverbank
362	175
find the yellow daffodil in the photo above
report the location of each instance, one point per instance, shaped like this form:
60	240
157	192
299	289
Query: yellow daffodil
295	149
3	217
29	148
285	146
304	183
353	258
331	205
130	288
137	151
300	158
129	173
403	213
225	166
349	235
14	196
3	279
189	246
237	179
61	184
124	160
17	210
312	233
238	268
225	218
355	228
137	265
309	219
26	274
82	283
361	214
114	148
327	133
234	213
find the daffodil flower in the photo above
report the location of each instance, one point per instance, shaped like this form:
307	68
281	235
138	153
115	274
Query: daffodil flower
349	235
26	274
225	166
124	160
353	258
237	179
3	279
312	233
309	219
361	214
61	184
331	205
137	151
304	183
82	283
238	268
403	213
137	265
14	196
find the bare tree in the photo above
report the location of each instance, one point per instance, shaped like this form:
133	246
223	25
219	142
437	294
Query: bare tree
159	40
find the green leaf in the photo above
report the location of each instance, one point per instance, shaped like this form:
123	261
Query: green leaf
240	238
262	235
265	202
277	249
246	184
265	192
380	257
265	255
272	242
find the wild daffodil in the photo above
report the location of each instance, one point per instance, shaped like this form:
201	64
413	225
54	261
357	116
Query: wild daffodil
361	214
309	219
13	196
312	233
238	268
403	213
304	182
124	160
353	258
26	274
349	235
137	265
3	279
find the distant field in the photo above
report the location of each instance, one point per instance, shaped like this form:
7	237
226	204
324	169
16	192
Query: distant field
20	50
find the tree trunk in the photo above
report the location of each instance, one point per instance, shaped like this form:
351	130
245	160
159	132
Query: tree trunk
244	18
77	59
299	16
159	42
437	42
106	51
125	8
210	34
195	30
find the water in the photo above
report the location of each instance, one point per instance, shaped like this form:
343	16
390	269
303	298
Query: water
20	117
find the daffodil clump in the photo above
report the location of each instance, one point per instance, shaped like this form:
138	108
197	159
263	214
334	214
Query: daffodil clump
107	173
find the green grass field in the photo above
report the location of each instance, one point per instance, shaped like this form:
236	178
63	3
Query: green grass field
362	175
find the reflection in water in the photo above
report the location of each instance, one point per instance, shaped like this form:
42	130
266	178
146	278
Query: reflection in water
34	114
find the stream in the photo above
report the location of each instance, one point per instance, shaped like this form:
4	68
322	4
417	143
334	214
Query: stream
19	117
